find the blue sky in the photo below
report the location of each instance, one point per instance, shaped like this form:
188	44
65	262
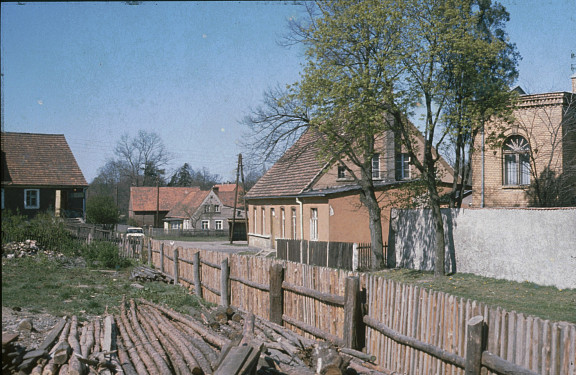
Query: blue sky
190	71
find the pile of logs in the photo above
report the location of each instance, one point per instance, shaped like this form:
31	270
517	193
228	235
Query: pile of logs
12	354
146	338
142	273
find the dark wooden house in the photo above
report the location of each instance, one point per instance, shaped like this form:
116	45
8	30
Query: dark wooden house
40	174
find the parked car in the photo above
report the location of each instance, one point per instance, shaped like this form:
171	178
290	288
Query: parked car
134	232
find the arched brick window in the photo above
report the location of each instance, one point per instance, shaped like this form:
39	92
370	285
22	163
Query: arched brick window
516	153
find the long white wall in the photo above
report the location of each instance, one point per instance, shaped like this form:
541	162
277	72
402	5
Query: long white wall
535	245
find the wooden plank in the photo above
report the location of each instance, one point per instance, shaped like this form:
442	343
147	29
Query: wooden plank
276	294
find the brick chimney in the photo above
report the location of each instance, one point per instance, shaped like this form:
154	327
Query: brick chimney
574	83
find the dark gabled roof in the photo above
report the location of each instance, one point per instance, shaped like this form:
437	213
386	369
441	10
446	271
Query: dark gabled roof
293	172
39	160
146	198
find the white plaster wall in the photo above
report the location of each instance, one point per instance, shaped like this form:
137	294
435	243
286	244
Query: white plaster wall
535	245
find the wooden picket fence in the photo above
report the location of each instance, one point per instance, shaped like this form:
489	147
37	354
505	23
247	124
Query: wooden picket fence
408	329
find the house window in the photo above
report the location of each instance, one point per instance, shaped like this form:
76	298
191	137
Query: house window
516	153
314	224
376	166
219	225
31	198
402	167
205	224
255	228
206	208
216	208
175	225
341	171
263	229
294	232
283	223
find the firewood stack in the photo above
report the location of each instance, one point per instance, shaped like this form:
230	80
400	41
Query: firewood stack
142	273
145	338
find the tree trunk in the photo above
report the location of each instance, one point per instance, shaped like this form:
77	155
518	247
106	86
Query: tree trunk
439	254
368	198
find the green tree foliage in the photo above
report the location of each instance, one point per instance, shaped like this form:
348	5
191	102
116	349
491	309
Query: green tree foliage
101	209
187	176
370	64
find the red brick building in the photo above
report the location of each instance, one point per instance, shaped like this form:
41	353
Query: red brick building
534	163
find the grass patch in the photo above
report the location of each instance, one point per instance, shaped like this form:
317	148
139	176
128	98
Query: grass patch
50	285
528	298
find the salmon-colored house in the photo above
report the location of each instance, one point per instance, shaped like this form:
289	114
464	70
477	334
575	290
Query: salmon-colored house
301	197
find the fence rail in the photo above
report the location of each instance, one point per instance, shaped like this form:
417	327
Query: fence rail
407	328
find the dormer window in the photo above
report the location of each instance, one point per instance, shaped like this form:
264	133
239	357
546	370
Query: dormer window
516	159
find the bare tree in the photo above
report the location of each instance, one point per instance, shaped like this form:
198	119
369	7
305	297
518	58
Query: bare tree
144	156
551	132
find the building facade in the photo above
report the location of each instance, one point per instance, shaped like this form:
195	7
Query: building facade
40	174
530	161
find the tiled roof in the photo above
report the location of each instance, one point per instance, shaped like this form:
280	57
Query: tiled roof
225	187
39	160
293	172
227	194
187	206
145	198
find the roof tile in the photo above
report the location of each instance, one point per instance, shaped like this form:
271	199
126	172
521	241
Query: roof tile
39	160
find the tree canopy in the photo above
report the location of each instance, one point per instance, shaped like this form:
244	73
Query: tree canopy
371	64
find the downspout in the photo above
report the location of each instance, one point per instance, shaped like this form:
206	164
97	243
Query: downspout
301	218
84	204
301	229
482	173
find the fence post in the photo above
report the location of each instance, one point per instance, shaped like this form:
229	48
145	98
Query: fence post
197	282
354	256
276	295
149	252
162	257
176	265
353	325
224	273
474	345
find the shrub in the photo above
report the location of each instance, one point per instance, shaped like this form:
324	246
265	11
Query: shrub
47	230
101	209
104	254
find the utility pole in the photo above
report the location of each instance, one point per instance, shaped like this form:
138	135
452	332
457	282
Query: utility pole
157	220
239	173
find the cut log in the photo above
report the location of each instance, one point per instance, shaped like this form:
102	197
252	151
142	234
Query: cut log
328	360
234	360
157	357
53	335
208	335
